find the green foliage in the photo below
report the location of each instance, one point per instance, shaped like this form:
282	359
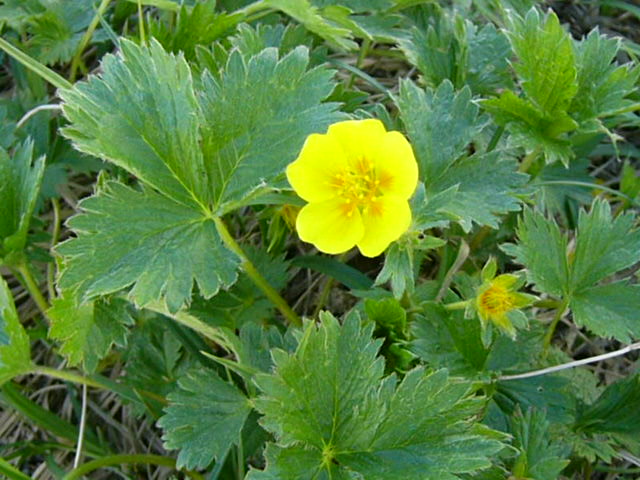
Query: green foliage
204	418
333	414
611	414
15	351
481	185
607	310
20	179
198	153
308	15
88	331
260	112
158	244
539	456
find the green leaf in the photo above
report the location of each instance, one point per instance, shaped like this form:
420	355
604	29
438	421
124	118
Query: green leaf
244	302
539	458
20	180
488	59
309	15
88	331
446	339
485	186
426	114
158	245
335	416
204	418
343	273
541	41
542	249
615	240
609	310
604	246
261	111
15	349
610	413
603	86
57	32
398	268
141	113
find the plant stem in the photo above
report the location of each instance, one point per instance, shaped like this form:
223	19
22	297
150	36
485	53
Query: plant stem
456	305
463	253
32	287
126	459
86	38
528	160
66	375
44	72
55	235
562	308
255	275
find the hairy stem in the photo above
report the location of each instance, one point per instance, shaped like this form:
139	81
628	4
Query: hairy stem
255	275
562	308
32	287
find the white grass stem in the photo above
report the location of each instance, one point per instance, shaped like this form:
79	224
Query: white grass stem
83	421
33	111
575	363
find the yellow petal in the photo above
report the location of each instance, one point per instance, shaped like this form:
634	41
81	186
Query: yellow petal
358	138
384	222
311	175
395	165
506	281
328	226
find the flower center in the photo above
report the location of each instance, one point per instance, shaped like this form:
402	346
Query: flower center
496	300
359	186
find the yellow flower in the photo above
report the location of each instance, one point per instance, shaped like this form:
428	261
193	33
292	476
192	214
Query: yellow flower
357	179
497	297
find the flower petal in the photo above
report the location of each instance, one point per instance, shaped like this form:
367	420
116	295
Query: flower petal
395	165
328	226
384	223
358	138
311	175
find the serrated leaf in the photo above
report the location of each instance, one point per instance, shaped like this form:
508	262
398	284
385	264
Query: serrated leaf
615	240
398	268
141	113
609	310
204	418
15	349
262	110
88	331
160	246
602	85
335	416
309	15
485	186
447	340
540	457
244	302
488	59
540	41
20	179
542	248
57	32
426	114
610	413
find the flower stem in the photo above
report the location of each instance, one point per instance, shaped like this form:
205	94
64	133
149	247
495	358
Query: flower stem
255	275
562	308
32	287
456	305
126	459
